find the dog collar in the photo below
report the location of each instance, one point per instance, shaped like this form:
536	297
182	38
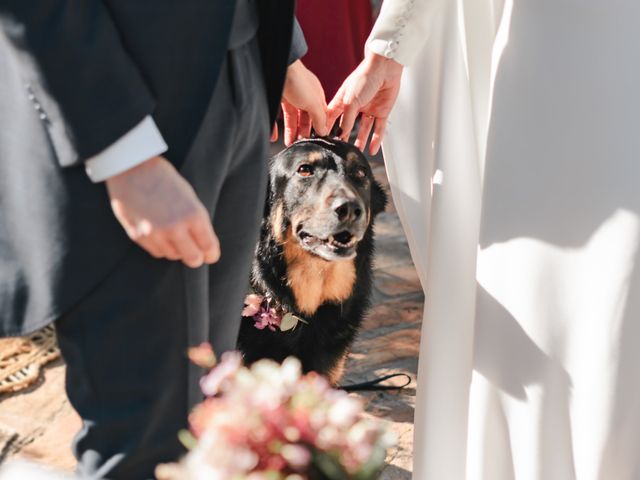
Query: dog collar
267	313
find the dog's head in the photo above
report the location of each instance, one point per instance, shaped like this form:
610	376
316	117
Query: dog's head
323	196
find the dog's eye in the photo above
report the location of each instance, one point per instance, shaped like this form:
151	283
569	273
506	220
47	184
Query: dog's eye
305	170
360	173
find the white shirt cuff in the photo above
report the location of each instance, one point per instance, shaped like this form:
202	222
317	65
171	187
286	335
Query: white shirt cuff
136	146
385	48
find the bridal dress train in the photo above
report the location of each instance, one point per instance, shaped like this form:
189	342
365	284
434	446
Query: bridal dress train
513	155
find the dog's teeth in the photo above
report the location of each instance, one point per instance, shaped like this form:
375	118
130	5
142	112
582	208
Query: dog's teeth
343	239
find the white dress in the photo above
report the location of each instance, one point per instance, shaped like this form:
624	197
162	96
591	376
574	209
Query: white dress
513	155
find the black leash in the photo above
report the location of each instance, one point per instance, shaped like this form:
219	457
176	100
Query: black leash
374	385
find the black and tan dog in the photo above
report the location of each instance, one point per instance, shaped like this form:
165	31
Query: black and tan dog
313	262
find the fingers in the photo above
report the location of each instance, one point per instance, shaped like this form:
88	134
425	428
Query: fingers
318	117
298	122
193	245
366	123
335	109
290	114
304	120
194	242
378	133
206	239
348	120
304	126
303	93
142	233
150	245
169	250
155	244
190	254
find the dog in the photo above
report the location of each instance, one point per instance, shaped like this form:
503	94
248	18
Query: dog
312	272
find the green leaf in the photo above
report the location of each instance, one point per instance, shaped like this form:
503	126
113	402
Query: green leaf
289	322
187	439
272	475
371	470
328	467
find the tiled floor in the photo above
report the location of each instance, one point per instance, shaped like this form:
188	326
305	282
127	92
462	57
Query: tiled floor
39	423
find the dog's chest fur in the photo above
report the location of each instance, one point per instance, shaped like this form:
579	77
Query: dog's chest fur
314	281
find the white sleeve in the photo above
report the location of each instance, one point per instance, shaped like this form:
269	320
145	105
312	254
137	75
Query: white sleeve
137	145
402	28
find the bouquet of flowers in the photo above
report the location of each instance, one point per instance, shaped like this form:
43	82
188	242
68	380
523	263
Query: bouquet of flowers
270	422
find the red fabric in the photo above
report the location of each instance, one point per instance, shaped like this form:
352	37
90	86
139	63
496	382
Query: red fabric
336	31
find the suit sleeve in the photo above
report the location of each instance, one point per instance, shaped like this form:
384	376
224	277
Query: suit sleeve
402	28
298	43
82	64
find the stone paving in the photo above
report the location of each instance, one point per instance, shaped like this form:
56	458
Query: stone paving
38	423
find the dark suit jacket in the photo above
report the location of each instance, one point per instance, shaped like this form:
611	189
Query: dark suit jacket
74	77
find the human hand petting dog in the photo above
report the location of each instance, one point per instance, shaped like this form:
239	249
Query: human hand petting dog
303	105
371	89
160	211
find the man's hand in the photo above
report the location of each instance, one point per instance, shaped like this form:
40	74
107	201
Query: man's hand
160	212
303	104
372	88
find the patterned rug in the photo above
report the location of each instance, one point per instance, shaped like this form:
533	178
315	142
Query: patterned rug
21	358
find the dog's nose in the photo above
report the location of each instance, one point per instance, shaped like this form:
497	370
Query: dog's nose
347	210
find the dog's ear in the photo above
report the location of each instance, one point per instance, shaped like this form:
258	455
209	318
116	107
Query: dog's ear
378	199
274	183
268	199
278	222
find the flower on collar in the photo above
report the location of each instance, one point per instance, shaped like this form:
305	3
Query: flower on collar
253	304
266	315
259	307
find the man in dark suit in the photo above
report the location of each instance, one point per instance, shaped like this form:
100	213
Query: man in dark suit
127	120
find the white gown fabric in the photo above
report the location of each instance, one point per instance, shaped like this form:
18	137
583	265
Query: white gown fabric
513	155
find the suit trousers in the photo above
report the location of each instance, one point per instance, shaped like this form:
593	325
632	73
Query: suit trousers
125	344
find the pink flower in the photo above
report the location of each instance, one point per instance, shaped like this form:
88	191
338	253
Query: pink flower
267	317
257	306
269	421
226	369
296	455
345	412
253	304
203	355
